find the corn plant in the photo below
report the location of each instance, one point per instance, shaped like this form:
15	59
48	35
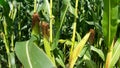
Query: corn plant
59	33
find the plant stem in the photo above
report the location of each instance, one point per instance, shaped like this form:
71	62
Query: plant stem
5	38
12	14
51	18
19	28
51	40
12	42
74	27
19	24
35	4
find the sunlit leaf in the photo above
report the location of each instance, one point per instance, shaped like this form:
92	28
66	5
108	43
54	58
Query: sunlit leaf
83	51
77	50
116	54
109	56
31	56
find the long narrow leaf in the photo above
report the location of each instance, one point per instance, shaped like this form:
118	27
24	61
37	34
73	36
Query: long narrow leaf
78	49
62	17
71	8
99	52
109	22
116	54
109	56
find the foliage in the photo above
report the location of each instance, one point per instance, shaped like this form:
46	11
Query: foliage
59	33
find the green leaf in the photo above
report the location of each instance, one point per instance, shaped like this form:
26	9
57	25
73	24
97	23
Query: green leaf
12	60
36	29
78	36
83	51
99	52
6	7
46	9
116	54
109	22
31	56
71	8
48	49
62	17
90	64
63	13
60	61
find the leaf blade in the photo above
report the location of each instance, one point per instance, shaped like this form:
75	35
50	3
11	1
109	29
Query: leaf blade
116	54
32	56
99	52
77	50
109	21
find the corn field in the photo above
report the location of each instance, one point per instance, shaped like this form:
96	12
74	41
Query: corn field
59	33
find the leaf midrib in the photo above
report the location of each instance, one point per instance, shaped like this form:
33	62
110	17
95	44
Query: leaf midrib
28	56
109	20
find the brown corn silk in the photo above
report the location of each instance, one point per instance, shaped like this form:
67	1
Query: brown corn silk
35	19
92	36
45	29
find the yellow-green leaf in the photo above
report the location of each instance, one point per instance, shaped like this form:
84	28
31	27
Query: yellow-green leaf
74	55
